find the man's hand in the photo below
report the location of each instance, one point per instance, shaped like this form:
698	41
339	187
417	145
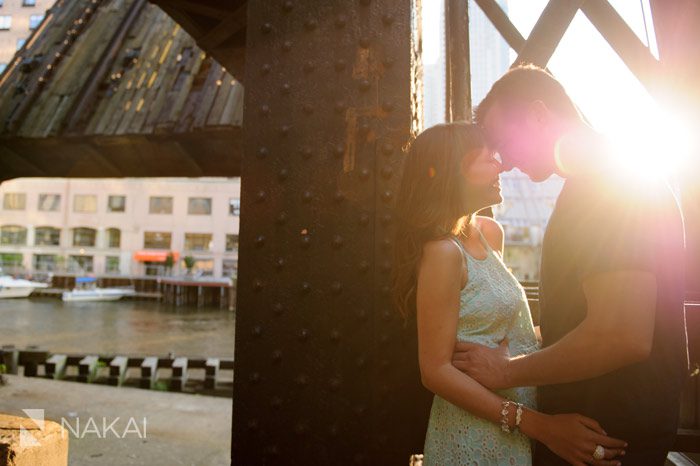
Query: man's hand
488	366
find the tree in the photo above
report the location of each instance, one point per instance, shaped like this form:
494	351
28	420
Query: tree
189	263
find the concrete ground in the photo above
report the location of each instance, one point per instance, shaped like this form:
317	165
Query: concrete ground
179	429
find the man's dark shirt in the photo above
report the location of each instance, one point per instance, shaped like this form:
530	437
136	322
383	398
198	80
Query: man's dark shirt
602	224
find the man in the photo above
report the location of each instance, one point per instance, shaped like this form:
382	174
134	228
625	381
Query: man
612	277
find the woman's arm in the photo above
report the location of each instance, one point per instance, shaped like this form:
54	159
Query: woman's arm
570	436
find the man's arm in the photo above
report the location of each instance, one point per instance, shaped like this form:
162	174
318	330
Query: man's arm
617	331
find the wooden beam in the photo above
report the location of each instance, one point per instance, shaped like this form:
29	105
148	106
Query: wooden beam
548	31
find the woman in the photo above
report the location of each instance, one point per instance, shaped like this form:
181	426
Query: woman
448	269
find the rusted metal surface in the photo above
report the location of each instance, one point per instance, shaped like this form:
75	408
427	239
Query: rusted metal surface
457	76
325	370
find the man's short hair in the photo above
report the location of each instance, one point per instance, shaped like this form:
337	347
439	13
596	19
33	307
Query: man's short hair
524	84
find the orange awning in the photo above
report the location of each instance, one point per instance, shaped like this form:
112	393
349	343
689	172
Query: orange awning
155	256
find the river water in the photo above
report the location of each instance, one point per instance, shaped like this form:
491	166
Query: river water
118	327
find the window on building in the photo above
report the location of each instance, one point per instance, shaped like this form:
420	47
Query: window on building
20	43
160	205
114	236
116	204
234	207
229	268
44	262
35	21
11	261
199	206
47	236
201	267
28	2
198	242
80	264
14	201
112	264
49	202
231	242
85	203
156	240
85	237
5	22
14	235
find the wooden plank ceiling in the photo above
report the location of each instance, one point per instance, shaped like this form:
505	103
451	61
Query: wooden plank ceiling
109	88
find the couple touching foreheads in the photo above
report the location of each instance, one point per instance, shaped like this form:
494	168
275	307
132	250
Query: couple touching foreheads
602	387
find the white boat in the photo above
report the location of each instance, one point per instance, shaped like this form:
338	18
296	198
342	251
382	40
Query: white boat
17	287
86	289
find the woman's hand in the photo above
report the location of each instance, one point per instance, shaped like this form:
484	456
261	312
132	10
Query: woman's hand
573	438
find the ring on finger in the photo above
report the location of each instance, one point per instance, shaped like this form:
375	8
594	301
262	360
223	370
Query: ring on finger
599	453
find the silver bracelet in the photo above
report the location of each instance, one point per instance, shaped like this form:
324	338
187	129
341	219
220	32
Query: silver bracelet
505	404
518	414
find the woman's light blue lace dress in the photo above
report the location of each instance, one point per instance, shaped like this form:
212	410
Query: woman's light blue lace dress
493	306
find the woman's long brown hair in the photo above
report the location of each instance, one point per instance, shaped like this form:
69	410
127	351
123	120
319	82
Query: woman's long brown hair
431	202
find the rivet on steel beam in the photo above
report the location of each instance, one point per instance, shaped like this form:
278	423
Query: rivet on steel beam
364	219
306	152
387	106
282	218
286	88
361	314
253	424
257	284
364	85
387	148
280	263
266	68
386	316
288	6
340	65
387	19
276	402
333	430
276	356
337	241
302	379
307	196
360	410
386	289
386	219
365	42
386	196
265	109
364	174
284	130
386	243
300	428
334	384
340	106
263	152
305	241
309	67
261	196
310	24
256	331
360	362
254	377
287	45
388	62
260	241
308	109
339	150
304	334
386	266
283	174
273	450
336	288
335	336
338	196
305	288
364	266
341	21
266	28
387	171
364	128
278	308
